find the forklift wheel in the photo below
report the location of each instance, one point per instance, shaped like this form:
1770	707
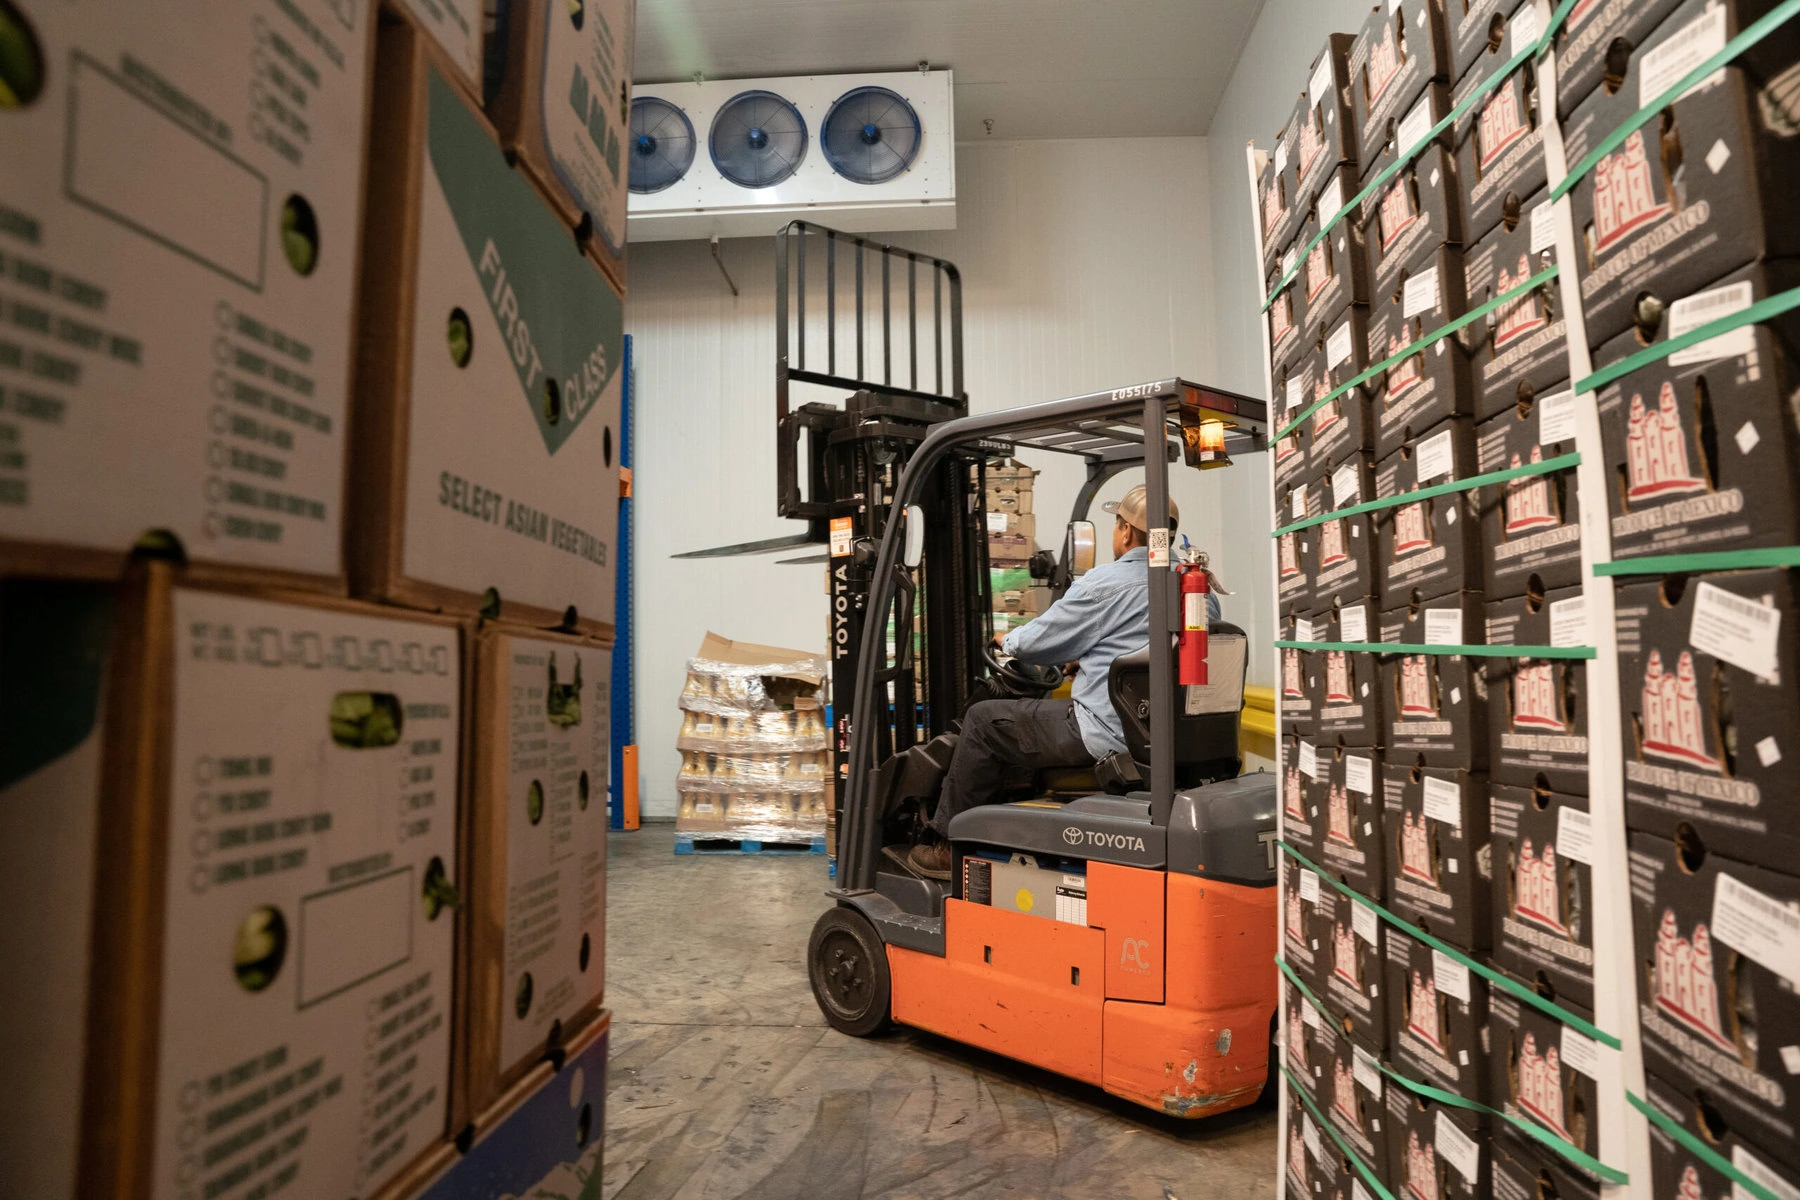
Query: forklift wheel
849	971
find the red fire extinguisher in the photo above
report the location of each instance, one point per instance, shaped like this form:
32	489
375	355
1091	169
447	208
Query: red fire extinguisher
1195	587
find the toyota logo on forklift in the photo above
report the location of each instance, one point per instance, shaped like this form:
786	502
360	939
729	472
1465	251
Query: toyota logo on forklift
1110	841
1072	836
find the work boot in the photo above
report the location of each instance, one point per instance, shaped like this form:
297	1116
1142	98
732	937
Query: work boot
931	861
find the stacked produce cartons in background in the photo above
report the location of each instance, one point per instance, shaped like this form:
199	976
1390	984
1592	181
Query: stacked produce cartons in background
240	949
1012	540
755	748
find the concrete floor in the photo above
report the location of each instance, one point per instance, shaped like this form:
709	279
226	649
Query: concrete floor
726	1082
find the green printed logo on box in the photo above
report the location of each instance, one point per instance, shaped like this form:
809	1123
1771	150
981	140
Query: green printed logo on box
563	325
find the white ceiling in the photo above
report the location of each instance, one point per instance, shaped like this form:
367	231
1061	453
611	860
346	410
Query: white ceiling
1037	68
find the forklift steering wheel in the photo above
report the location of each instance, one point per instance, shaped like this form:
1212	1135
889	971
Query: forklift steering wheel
1031	680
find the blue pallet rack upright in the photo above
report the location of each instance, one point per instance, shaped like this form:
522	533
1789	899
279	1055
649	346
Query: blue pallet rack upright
623	698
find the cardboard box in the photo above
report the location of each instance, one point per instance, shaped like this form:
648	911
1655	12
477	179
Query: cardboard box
1437	1018
1031	601
1010	549
1277	204
1521	349
1296	557
1334	273
457	26
1353	1094
1305	1149
1531	526
1418	210
181	225
1346	426
1008	579
1543	1071
1016	524
1351	941
1438	853
55	642
1434	383
1499	143
1346	684
1478	30
1294	699
1299	929
1524	1172
564	107
1537	707
279	816
1422	114
1287	339
1401	48
1588	35
1436	704
1677	1171
1716	1007
1345	567
1350	812
1706	735
1673	209
1290	451
1323	127
537	869
1543	891
1010	472
1432	547
1703	442
1432	1154
484	469
1300	828
1008	499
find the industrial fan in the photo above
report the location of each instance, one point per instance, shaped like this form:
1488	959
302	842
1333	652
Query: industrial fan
758	139
662	144
870	135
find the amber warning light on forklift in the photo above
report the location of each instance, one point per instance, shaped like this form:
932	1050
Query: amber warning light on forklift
1204	418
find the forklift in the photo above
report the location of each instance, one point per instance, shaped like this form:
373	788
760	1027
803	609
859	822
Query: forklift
1115	925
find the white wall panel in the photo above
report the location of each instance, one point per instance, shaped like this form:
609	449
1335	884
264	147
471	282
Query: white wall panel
1086	265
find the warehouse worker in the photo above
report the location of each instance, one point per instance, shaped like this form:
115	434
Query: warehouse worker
1104	615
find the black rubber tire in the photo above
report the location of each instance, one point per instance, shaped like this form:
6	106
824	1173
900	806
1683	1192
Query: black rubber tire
848	967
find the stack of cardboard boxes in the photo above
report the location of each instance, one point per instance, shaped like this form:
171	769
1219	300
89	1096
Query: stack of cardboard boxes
306	587
755	749
1012	540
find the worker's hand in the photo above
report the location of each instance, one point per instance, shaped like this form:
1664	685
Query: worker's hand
999	640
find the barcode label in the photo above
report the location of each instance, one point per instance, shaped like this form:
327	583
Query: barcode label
1309	761
1568	622
1736	629
1543	225
1365	1070
1331	199
1309	887
1574	834
1556	418
1458	1148
1581	1052
1443	801
1303	630
1660	68
1365	922
1337	347
1691	312
1414	127
1353	624
1436	455
1421	294
1451	977
1523	28
1444	626
1757	926
1345	484
1359	774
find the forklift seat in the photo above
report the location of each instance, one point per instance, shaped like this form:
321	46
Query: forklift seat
1206	715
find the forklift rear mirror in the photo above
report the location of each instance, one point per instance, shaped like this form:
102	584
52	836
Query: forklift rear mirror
1078	548
915	535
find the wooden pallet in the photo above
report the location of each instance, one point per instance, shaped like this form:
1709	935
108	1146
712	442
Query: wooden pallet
706	843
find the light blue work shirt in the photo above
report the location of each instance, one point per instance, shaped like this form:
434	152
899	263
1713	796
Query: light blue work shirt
1104	615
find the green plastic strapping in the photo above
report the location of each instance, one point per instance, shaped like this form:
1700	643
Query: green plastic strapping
1715	560
1560	463
1446	648
1747	38
1362	1168
1711	1157
1494	977
1568	1150
1436	335
1762	310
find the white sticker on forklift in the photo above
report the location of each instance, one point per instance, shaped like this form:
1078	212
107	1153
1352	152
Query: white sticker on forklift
1743	632
1159	547
840	536
1758	926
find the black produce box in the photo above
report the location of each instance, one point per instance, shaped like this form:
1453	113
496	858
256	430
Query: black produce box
1402	47
1719	944
1299	1181
1294	702
1334	274
1703	443
1480	28
1531	526
1436	703
1432	547
1592	30
1346	425
1323	127
1298	928
1437	852
1296	554
1702	191
1521	349
1353	1094
1544	1072
1347	685
1538	707
1418	210
1433	383
1344	561
1431	1154
1543	891
1499	141
1677	1171
1351	938
1297	827
1708	738
1277	207
1525	1171
1352	846
1287	342
1437	1023
1406	138
1293	383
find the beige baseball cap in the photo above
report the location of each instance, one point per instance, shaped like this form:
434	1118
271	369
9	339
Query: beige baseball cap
1130	507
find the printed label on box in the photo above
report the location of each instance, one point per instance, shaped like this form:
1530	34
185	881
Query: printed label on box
996	523
1522	27
585	108
1543	224
1452	977
1443	626
1421	294
1574	834
456	24
1359	774
1436	456
1757	926
1353	624
1309	760
1691	312
1568	622
1365	922
1734	628
1457	1148
1303	630
1346	484
1581	1052
1556	418
1296	392
1442	801
1309	887
1664	65
1365	1070
1331	199
1748	1164
1322	78
1414	127
1338	345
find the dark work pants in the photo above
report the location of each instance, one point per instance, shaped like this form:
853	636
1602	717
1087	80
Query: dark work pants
1002	734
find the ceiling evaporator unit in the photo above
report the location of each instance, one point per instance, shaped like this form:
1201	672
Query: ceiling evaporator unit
743	157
